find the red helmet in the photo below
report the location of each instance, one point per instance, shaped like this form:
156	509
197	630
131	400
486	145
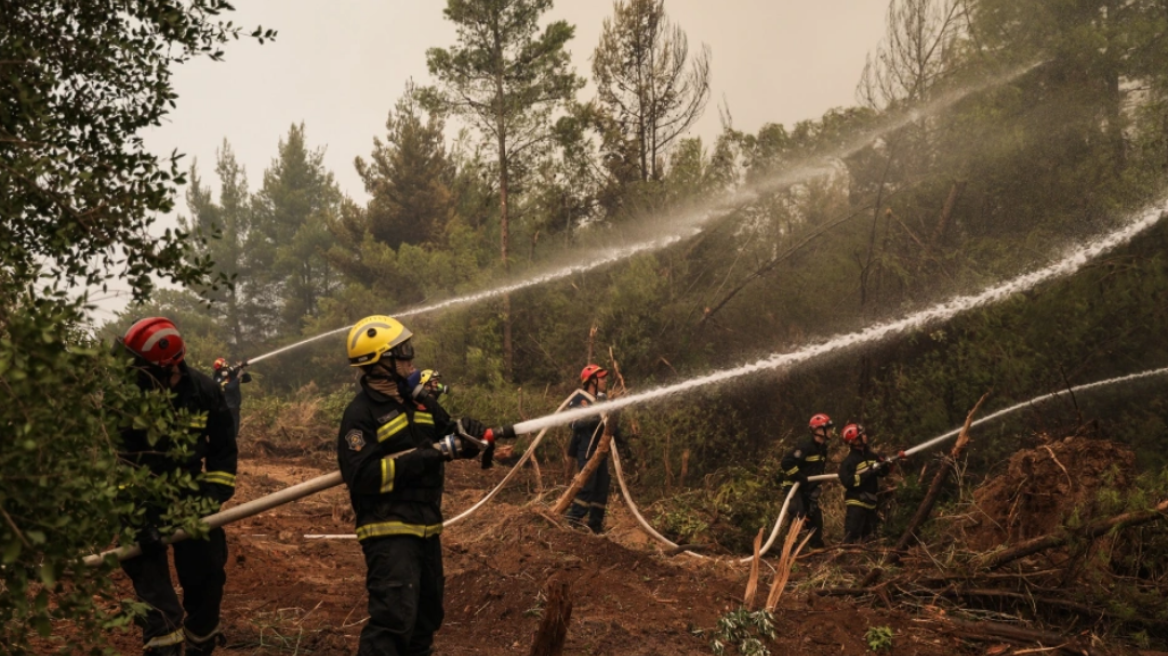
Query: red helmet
852	432
820	421
592	370
156	340
219	363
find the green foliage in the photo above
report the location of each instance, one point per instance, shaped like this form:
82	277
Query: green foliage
80	83
743	631
879	638
63	493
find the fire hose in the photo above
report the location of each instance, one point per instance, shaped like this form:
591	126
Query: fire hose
308	488
560	418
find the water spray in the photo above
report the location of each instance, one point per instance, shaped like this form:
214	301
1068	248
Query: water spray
1069	264
693	223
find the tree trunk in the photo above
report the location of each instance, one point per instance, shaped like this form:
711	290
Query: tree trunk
504	224
557	615
590	468
1092	531
947	212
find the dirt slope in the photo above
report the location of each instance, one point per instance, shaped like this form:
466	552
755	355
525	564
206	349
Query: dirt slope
287	594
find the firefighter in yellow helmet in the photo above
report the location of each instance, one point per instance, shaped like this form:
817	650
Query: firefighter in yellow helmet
392	449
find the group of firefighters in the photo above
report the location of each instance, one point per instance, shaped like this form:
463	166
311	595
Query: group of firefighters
392	447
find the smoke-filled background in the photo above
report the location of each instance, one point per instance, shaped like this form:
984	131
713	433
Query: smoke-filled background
628	184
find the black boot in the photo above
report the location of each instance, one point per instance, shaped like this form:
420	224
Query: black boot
168	650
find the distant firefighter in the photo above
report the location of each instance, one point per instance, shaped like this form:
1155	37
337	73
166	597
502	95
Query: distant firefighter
229	379
808	458
158	355
591	501
860	473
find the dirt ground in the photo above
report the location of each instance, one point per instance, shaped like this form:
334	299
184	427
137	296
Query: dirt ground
290	595
1038	492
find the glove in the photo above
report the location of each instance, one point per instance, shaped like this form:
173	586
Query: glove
419	462
472	427
801	479
150	541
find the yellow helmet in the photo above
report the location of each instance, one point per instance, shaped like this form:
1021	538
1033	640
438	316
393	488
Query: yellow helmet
372	336
427	375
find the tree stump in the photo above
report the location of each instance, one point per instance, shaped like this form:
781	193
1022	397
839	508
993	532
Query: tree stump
557	614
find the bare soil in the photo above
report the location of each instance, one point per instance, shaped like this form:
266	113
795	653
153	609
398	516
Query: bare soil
1043	487
290	595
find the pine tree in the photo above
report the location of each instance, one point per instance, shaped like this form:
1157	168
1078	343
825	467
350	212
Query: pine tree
408	177
507	79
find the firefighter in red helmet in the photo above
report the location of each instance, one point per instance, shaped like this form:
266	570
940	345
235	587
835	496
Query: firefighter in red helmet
230	378
860	473
157	351
591	502
808	458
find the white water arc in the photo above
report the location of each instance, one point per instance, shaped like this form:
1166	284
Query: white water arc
693	223
1070	263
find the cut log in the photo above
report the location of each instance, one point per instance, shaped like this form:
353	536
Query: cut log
1090	532
557	614
996	631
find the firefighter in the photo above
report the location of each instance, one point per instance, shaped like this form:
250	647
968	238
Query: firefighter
392	448
229	379
860	474
158	352
428	381
808	458
592	499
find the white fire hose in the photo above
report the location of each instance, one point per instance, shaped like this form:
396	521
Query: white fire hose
560	418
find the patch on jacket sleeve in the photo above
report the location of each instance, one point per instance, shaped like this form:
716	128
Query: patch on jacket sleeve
798	454
356	439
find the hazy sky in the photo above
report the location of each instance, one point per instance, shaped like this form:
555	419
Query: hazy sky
339	67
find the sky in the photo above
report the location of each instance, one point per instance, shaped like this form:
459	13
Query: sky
340	66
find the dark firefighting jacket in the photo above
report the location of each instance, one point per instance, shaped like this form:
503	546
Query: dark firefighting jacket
859	474
393	494
586	432
202	410
809	458
229	380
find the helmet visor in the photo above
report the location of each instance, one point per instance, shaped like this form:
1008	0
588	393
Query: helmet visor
403	351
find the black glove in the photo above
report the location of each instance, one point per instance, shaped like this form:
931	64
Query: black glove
472	427
801	479
150	541
419	462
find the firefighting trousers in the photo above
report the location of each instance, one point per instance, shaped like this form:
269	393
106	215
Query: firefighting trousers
592	499
860	524
405	583
200	567
803	505
235	418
